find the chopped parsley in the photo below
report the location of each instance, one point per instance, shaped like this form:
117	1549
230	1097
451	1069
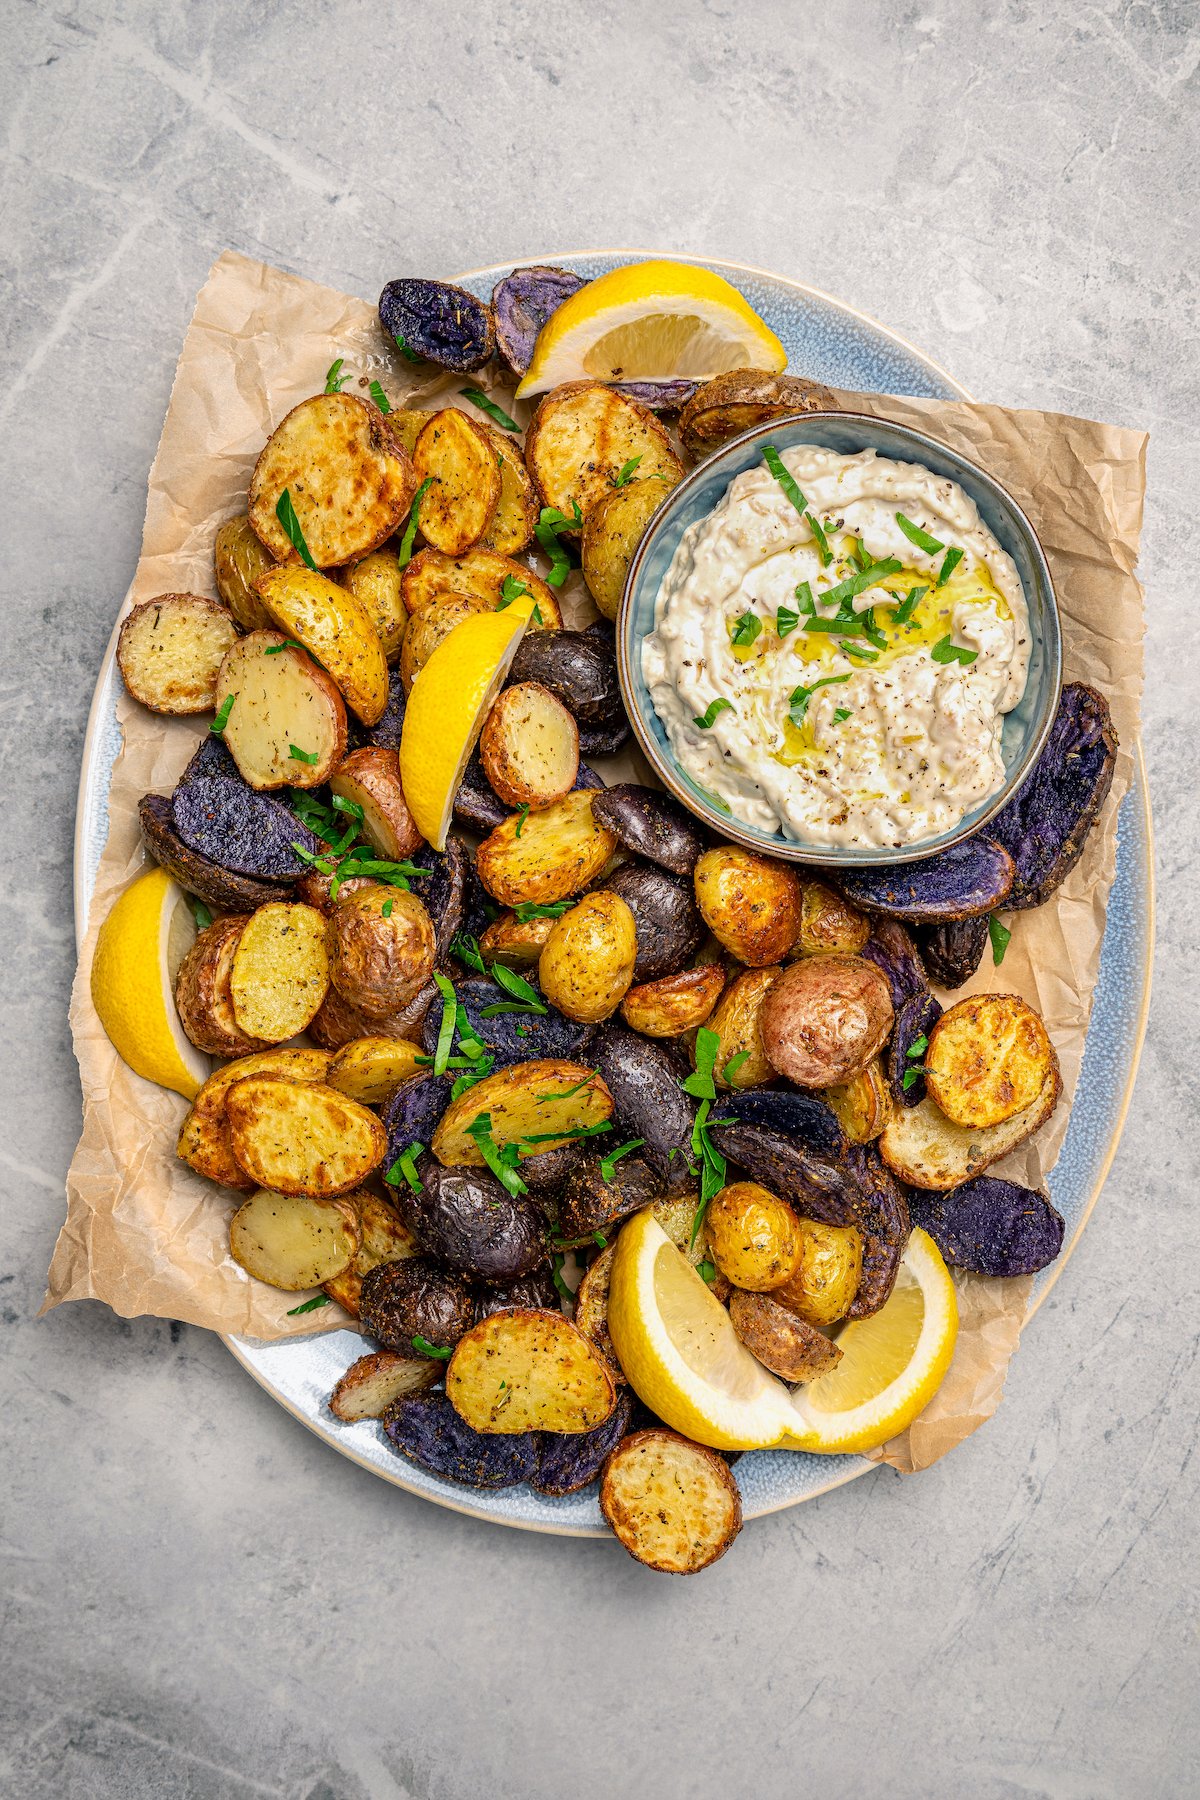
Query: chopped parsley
842	713
774	462
570	1093
405	349
557	1261
702	1085
857	584
478	398
313	1305
525	910
707	1271
386	908
423	1347
804	595
405	1167
746	629
999	935
863	655
908	605
502	1163
800	697
380	398
510	589
551	520
916	1069
818	531
608	1163
522	815
950	562
467	951
285	512
222	719
916	534
335	381
733	1065
947	651
625	473
200	913
410	530
786	621
525	999
708	718
287	644
304	756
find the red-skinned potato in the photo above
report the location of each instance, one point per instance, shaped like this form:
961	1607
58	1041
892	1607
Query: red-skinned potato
825	1018
286	725
370	778
750	903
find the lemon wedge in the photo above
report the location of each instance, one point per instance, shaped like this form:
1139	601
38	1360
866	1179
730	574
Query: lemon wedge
892	1363
651	321
141	944
447	707
677	1345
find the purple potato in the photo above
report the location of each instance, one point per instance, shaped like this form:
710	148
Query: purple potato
510	1037
401	1302
478	807
658	396
970	878
802	1118
210	757
217	887
883	1220
1045	825
991	1226
568	1461
441	323
470	1222
604	740
894	954
426	1429
441	891
651	824
545	1174
521	304
241	830
588	780
914	1021
953	950
589	1204
669	927
387	729
580	670
648	1102
534	1291
479	909
818	1187
411	1115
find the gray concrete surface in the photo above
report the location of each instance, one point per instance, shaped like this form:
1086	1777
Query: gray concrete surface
198	1598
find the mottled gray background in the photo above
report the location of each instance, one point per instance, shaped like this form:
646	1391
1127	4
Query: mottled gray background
200	1599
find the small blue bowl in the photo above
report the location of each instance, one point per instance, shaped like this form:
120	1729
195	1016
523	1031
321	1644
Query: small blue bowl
1025	728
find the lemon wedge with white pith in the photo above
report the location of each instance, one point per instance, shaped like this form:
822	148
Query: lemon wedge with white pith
141	944
446	709
651	321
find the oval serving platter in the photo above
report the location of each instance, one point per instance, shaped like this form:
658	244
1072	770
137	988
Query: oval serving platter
834	343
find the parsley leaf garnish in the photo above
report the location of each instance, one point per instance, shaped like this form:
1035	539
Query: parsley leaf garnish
774	462
918	1046
707	1271
908	605
525	910
285	512
950	562
522	815
335	381
999	935
510	589
856	584
423	1347
527	997
747	629
800	697
200	913
379	397
818	531
410	530
624	474
222	719
551	520
608	1164
502	1163
467	951
786	621
947	651
287	644
842	712
304	756
478	398
313	1305
708	718
405	1166
916	534
733	1065
405	349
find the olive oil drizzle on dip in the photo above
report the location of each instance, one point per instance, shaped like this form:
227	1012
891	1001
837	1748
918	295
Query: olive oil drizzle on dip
928	648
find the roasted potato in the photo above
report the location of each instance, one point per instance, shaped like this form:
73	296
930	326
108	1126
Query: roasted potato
536	1104
280	972
750	903
293	1242
669	928
202	994
517	943
239	558
741	399
219	816
370	1385
612	531
336	630
568	1462
673	1504
829	925
428	628
457	456
963	882
915	1020
953	950
991	1226
286	726
510	1037
1046	824
338	1023
653	825
529	746
511	526
825	1018
590	1203
349	480
545	856
822	1286
219	888
737	1022
375	581
804	1122
370	1069
677	1217
754	1236
406	423
587	965
426	1429
648	1102
204	1141
591	1309
301	1139
438	322
381	948
581	437
987	1058
415	1303
480	574
471	1223
863	1104
385	1238
674	1004
580	669
781	1340
529	1371
370	778
928	1150
536	1290
170	649
521	304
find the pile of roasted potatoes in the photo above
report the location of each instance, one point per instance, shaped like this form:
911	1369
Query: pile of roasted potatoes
447	1078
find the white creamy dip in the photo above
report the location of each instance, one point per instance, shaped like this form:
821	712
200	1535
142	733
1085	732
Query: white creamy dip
901	739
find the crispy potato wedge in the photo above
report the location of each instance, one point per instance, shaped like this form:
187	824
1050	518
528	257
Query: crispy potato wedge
741	1061
287	723
385	1238
349	478
280	972
293	1242
676	1003
514	942
587	965
863	1104
674	1505
370	778
824	1284
581	437
545	856
335	629
375	581
928	1150
428	628
370	1069
202	994
481	573
382	948
612	531
782	1342
530	746
239	558
527	1370
170	649
516	514
829	925
750	903
549	1101
741	399
302	1139
458	457
591	1310
987	1058
204	1142
370	1385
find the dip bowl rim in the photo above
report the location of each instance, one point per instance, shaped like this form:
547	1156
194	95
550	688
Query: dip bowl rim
1045	635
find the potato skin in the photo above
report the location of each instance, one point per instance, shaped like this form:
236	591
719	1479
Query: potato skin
239	558
202	993
415	1298
674	1004
829	924
737	1021
548	856
587	965
350	480
987	1059
612	531
754	1236
511	526
378	961
427	630
471	1223
480	574
514	942
370	777
669	929
580	438
375	581
825	1018
822	1286
459	456
742	398
863	1104
781	1340
750	903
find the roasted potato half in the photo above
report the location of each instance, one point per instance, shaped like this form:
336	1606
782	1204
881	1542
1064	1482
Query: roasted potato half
370	1385
674	1505
741	1061
202	994
612	531
591	1309
587	965
675	1004
481	574
204	1141
349	480
280	972
286	724
370	778
517	943
751	904
511	526
581	437
753	1235
382	948
987	1058
375	582
370	1069
298	1139
385	1238
239	558
822	1286
528	1370
829	925
825	1019
547	855
170	649
406	423
782	1341
293	1241
529	745
458	458
430	627
336	630
741	399
928	1150
538	1105
863	1104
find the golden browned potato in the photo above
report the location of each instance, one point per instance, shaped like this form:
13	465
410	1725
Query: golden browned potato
286	726
829	924
782	1341
822	1286
280	972
370	778
591	1309
299	1138
482	574
375	581
385	1238
825	1018
428	628
370	1385
538	1105
335	629
316	889
458	456
202	997
676	1003
612	532
928	1150
526	1370
516	514
517	943
673	1504
239	558
581	437
863	1104
750	903
754	1236
545	856
349	479
293	1241
170	649
987	1058
742	398
741	1061
370	1069
338	1023
529	745
406	424
204	1142
587	965
381	948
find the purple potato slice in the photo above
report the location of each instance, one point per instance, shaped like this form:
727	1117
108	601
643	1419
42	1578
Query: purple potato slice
962	882
914	1021
658	396
242	830
953	950
410	1117
509	1037
388	728
992	1226
895	955
521	304
568	1461
653	825
471	1223
818	1187
648	1102
439	322
217	887
883	1219
441	891
580	670
426	1429
802	1118
1046	823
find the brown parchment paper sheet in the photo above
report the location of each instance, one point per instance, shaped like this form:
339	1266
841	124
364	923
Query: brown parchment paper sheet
147	1235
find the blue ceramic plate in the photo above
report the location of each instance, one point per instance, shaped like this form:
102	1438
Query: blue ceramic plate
835	344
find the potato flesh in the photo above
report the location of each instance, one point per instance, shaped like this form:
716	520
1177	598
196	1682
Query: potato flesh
987	1058
335	629
202	992
293	1243
370	778
523	1370
674	1505
280	971
370	1385
385	1238
428	629
170	650
547	855
580	439
457	455
375	581
302	1139
515	942
349	480
612	531
863	1104
736	1021
281	702
587	965
529	1100
478	572
239	558
530	746
511	526
828	924
370	1069
928	1150
204	1142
